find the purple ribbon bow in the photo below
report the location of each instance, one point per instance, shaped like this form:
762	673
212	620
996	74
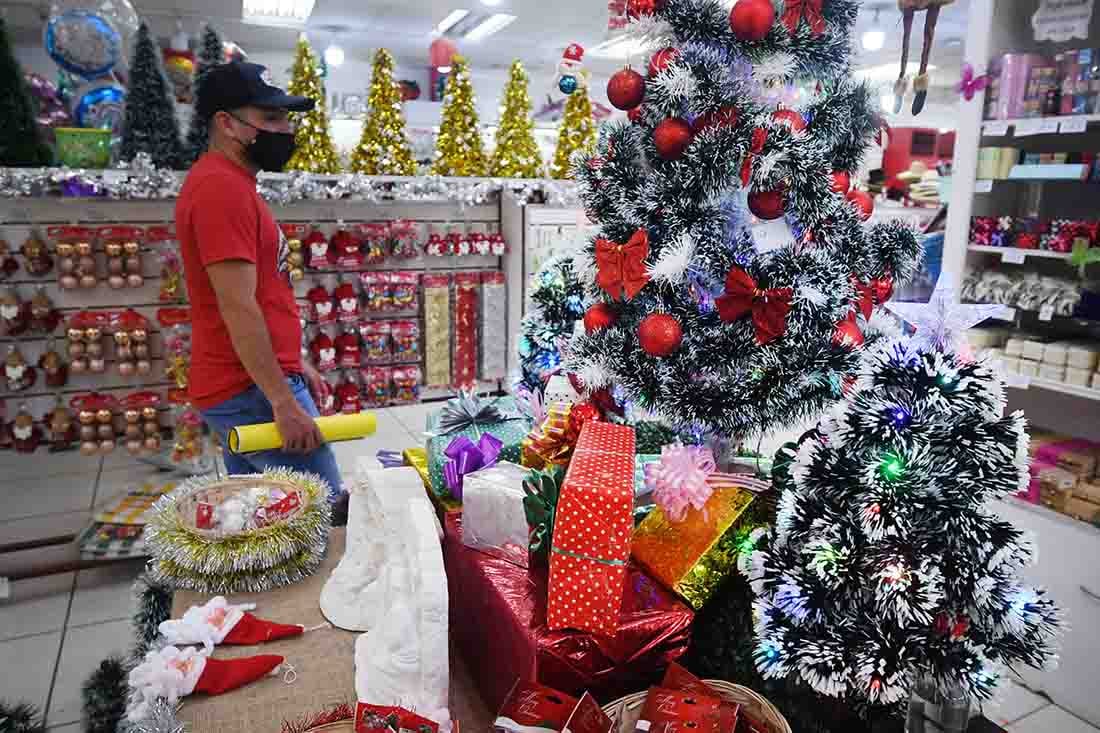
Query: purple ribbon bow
466	457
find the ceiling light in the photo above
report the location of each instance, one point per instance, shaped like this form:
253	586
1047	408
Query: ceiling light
276	12
453	18
888	72
874	40
443	69
334	55
489	26
491	3
621	47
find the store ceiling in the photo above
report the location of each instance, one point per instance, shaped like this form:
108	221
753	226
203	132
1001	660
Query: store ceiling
542	30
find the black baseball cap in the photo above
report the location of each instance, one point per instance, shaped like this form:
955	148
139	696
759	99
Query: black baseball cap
238	84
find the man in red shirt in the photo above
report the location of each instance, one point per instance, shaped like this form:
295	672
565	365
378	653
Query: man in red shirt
246	363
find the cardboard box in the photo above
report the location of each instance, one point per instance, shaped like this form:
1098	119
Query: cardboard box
1080	509
1087	491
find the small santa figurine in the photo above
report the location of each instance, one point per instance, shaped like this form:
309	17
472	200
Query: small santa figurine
347	302
571	73
327	404
54	368
24	433
347	349
348	248
15	317
317	248
323	351
320	305
348	399
20	375
62	429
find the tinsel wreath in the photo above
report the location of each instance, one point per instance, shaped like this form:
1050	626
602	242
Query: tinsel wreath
104	696
251	561
20	717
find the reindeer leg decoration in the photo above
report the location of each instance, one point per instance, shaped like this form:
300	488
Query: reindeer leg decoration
920	81
900	85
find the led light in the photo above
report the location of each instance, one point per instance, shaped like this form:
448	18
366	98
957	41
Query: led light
874	40
276	12
899	416
493	24
453	18
491	3
891	467
334	55
444	69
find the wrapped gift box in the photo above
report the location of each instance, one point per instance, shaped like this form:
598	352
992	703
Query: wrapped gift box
592	530
509	431
492	511
498	620
418	459
693	556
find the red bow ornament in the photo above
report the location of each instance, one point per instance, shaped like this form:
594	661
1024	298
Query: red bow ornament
769	307
621	267
795	10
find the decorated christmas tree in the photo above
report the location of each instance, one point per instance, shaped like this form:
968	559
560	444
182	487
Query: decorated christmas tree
149	122
21	143
557	303
210	55
314	151
458	149
383	150
577	133
733	275
889	569
516	154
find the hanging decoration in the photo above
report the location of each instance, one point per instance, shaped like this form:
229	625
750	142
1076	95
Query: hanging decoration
621	268
571	73
909	9
769	307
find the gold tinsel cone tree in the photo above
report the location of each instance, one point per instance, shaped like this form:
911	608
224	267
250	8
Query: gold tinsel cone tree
516	154
577	132
314	151
458	150
383	150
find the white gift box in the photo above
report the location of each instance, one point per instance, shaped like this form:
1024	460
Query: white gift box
559	389
492	510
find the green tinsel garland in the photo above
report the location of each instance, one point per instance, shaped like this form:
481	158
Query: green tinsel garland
154	605
104	696
20	717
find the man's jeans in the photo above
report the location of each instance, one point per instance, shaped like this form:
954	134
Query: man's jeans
251	407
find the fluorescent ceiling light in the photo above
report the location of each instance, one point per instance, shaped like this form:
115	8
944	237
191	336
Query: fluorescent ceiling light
334	55
489	26
444	69
491	3
276	12
453	18
621	47
874	40
888	72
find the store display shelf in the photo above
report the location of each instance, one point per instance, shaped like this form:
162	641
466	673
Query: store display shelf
1086	393
1015	255
1063	519
1025	127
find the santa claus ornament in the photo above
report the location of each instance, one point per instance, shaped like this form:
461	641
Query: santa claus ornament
323	351
347	303
37	256
96	415
497	245
14	316
142	423
54	370
436	245
459	244
347	247
326	404
571	73
122	245
61	428
8	264
25	434
626	89
219	622
76	266
131	334
19	374
43	316
318	249
347	349
320	305
348	396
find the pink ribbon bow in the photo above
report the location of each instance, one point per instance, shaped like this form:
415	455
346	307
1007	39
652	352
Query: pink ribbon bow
679	479
971	84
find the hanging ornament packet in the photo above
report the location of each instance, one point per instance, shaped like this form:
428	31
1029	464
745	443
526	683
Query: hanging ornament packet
437	329
494	314
75	247
162	239
467	291
295	234
175	326
122	245
36	255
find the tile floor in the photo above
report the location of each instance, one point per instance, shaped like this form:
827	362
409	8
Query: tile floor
55	630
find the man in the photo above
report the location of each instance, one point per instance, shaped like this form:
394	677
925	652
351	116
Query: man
246	364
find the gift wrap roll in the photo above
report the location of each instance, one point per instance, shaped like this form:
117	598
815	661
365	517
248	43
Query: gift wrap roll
334	428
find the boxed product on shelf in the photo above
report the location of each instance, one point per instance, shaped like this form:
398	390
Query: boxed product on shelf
1052	372
1082	355
1033	349
1019	83
1027	368
1014	346
1075	455
1080	81
1088	490
1086	511
1096	381
1078	377
1056	353
996	163
986	338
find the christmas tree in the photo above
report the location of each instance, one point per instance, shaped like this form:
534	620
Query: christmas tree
210	55
383	149
702	325
458	150
577	133
516	154
314	151
557	302
149	121
889	568
21	143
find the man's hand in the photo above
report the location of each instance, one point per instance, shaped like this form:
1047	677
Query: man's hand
299	432
318	387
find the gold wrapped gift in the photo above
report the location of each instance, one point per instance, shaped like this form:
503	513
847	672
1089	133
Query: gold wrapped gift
550	444
418	459
693	556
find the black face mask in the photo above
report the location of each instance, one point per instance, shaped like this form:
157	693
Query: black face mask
268	151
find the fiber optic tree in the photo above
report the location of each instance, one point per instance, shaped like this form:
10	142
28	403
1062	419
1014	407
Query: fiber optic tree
888	565
576	134
210	55
458	148
699	323
149	122
383	149
557	302
516	154
313	151
21	142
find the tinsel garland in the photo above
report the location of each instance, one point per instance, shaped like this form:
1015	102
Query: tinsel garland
162	719
154	605
315	721
20	717
254	561
104	696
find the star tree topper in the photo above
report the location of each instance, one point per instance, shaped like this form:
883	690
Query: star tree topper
943	321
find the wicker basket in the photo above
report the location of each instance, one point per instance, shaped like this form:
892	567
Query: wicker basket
625	711
216	493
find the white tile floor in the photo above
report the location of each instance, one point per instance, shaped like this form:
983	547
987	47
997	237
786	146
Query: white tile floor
55	630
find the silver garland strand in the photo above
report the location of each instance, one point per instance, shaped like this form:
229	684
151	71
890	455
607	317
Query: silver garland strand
162	719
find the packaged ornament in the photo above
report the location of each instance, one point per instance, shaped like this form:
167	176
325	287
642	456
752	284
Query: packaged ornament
458	243
19	374
176	329
406	385
347	247
377	292
8	264
404	291
437	329
162	240
533	708
122	245
14	314
467	287
36	256
436	246
75	256
326	404
348	397
497	245
391	719
404	238
131	334
322	350
294	234
142	431
55	372
668	711
96	415
60	427
377	386
317	249
347	303
321	311
43	316
347	349
26	435
188	445
375	236
85	334
494	314
377	342
405	337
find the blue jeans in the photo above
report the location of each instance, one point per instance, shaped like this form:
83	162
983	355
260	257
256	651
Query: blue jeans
251	407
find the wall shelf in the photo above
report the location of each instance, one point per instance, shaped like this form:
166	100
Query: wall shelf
1015	255
1026	127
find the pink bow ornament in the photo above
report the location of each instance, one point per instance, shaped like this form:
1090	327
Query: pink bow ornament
971	84
679	479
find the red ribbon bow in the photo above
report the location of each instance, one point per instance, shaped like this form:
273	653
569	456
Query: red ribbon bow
769	307
621	267
796	10
759	138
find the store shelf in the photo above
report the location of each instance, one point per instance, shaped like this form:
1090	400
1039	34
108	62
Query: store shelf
1085	393
1070	124
1015	255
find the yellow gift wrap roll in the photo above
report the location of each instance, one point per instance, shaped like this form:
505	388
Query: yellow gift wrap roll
334	428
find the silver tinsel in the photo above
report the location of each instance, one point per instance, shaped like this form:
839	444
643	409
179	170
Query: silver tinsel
162	719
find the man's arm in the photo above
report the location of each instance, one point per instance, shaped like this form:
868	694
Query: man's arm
234	283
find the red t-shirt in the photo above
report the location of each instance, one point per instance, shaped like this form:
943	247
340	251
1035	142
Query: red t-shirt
219	216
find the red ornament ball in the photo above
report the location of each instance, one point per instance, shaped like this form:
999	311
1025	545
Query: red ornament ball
638	8
841	181
626	89
635	115
750	20
767	205
599	317
672	137
865	205
847	334
790	118
660	334
724	117
882	288
660	60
